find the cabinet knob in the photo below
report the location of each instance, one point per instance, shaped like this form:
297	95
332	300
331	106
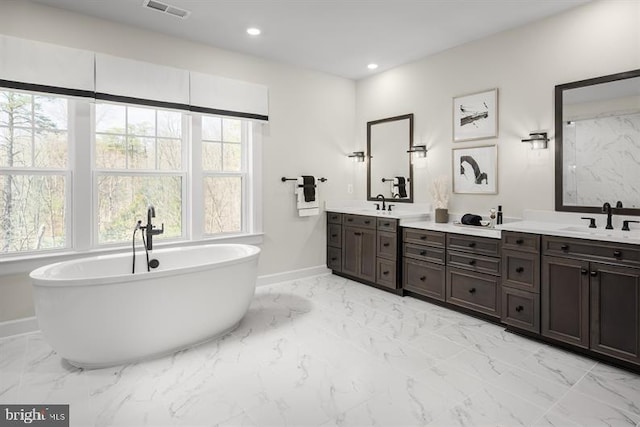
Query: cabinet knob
519	308
334	235
423	253
594	273
423	278
472	244
357	233
385	244
423	237
584	271
350	219
519	269
367	222
617	254
472	262
386	224
564	247
334	258
385	272
519	241
472	290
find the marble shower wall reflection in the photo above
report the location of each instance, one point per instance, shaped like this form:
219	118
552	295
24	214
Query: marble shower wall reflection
602	160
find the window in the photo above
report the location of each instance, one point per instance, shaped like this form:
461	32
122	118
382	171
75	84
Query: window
34	172
224	168
138	162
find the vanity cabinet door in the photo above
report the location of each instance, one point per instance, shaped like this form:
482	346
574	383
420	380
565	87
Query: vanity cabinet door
565	300
359	253
615	311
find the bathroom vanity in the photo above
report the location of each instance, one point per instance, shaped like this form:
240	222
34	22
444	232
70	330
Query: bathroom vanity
568	286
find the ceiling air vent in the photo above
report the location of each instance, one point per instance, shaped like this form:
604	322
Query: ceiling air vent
166	8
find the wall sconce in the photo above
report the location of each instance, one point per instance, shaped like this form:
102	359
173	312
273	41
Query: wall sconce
418	151
538	140
357	156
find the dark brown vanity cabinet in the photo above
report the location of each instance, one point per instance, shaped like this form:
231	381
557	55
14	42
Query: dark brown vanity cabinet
364	248
424	262
473	273
591	296
521	280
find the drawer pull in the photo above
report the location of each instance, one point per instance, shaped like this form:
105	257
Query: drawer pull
334	235
472	290
519	269
385	245
617	254
472	244
334	217
350	219
423	237
386	224
423	253
367	222
564	247
385	272
584	271
472	262
334	258
423	278
519	241
594	273
357	233
519	308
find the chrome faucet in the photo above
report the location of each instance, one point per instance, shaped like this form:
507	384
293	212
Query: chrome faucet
150	229
606	208
384	201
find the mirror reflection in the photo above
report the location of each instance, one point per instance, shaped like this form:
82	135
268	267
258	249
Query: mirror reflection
389	169
598	143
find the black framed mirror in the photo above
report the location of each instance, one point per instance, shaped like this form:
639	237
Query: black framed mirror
597	151
389	169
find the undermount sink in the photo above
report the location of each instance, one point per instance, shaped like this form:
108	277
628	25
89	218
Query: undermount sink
633	234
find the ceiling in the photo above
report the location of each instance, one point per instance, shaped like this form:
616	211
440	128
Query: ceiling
335	36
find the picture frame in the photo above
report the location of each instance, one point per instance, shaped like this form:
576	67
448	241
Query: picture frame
475	170
475	116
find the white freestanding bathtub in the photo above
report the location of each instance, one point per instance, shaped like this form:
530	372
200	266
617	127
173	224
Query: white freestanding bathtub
94	312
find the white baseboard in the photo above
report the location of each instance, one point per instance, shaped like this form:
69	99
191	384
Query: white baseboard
292	275
30	324
18	327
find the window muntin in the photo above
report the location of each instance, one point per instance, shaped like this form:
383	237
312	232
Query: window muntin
138	159
34	174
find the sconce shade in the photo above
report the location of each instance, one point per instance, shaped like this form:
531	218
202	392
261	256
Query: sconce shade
418	150
357	156
538	140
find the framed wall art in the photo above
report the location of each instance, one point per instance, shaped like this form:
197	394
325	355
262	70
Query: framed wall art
475	116
475	170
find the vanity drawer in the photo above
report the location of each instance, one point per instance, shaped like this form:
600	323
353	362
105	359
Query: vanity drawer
592	250
334	258
387	245
386	273
473	244
521	270
424	253
334	235
359	221
475	291
424	237
334	218
524	242
387	224
483	264
521	309
424	278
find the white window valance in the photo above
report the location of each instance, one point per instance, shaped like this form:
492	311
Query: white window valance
44	64
32	65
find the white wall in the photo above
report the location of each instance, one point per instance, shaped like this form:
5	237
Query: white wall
525	64
311	127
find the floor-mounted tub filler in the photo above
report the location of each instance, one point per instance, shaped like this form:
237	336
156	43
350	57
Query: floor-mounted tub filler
95	313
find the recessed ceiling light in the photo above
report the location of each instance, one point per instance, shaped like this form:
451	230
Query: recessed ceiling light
253	31
372	66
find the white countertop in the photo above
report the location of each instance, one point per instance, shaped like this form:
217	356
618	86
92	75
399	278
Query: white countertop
450	227
395	213
579	231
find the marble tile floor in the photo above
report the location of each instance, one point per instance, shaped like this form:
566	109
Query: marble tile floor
327	351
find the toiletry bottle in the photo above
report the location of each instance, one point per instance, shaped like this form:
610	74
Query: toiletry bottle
499	220
492	217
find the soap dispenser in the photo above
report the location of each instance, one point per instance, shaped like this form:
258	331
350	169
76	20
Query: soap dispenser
499	218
